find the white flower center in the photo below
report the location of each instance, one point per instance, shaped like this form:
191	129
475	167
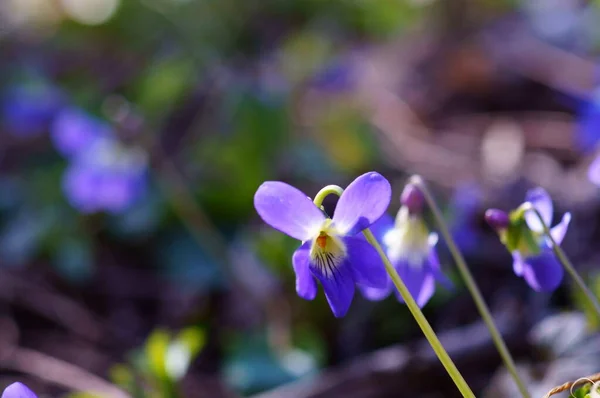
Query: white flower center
408	240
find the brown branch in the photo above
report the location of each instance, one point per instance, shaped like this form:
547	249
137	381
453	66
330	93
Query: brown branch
413	369
60	373
570	384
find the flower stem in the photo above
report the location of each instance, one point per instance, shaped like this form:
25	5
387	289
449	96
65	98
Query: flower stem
416	312
471	286
325	191
565	260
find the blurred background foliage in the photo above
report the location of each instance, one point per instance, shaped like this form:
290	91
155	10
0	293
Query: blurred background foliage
134	133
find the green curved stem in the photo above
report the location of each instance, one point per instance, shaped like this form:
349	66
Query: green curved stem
472	286
562	257
412	305
328	190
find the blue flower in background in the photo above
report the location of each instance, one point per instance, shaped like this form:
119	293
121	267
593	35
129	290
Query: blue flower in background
27	110
533	258
18	390
594	171
465	204
73	130
330	252
336	77
102	173
588	124
411	248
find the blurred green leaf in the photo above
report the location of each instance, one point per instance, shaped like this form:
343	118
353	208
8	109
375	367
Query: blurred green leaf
73	258
252	367
583	392
163	85
581	302
182	351
156	348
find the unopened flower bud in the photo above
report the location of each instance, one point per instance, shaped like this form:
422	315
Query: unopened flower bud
497	219
412	198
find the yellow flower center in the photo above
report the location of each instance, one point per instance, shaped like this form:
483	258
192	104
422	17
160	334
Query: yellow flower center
327	249
408	240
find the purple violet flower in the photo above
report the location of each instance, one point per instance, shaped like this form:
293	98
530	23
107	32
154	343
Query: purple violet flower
533	257
105	176
594	171
411	248
18	390
330	251
27	110
465	204
588	122
102	173
73	130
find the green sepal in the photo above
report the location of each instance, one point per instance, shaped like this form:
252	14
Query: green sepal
512	236
518	236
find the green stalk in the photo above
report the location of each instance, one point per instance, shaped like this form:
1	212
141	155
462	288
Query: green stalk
414	309
471	286
562	257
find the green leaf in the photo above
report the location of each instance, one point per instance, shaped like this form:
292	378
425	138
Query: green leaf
74	259
583	392
194	338
164	85
182	351
156	351
122	376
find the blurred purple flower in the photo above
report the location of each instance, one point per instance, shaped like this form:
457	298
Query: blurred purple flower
27	110
73	130
588	124
18	390
411	248
465	205
594	171
537	265
330	252
105	176
336	77
102	173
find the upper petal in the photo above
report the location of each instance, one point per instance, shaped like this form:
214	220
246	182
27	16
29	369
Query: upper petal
366	264
540	199
306	285
338	287
419	281
543	272
362	203
287	209
18	390
559	231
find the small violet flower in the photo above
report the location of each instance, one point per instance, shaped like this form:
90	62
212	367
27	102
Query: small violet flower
27	110
465	205
73	130
18	390
411	248
588	122
330	251
523	235
102	173
594	172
